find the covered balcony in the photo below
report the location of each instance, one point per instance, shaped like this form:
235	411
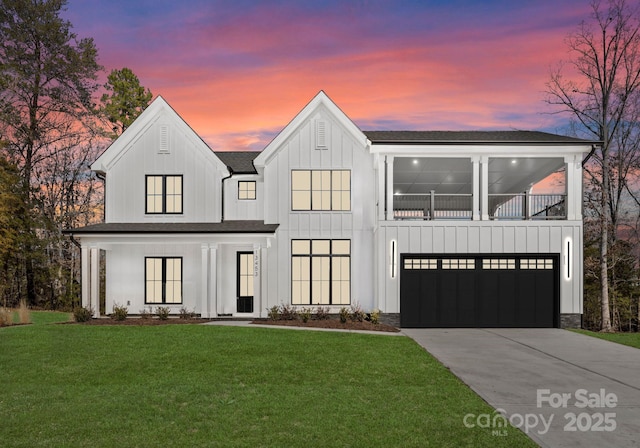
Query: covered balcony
482	188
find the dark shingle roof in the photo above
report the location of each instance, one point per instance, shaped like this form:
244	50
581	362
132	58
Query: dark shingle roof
176	227
239	162
470	137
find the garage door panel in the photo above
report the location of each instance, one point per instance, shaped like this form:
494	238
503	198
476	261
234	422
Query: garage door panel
526	303
488	298
448	298
428	314
467	306
479	291
545	308
410	287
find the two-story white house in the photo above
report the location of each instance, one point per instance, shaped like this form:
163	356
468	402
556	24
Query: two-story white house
435	229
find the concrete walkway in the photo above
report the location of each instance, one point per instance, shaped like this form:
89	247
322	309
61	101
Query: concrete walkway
562	388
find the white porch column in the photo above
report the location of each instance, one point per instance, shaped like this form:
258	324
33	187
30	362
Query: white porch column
484	188
213	280
204	279
257	290
85	278
95	281
573	187
390	188
381	192
475	179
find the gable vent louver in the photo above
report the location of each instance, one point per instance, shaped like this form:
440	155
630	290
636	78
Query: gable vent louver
164	139
321	134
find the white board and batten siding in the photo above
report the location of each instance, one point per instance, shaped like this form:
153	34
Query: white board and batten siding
341	152
162	144
238	209
478	237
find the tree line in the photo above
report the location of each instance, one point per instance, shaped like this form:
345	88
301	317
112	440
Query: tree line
51	129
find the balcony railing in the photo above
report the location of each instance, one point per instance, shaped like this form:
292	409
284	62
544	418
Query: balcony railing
431	206
527	206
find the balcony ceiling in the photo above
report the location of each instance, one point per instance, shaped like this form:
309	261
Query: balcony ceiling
455	175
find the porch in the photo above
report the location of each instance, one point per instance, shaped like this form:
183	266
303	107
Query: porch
481	188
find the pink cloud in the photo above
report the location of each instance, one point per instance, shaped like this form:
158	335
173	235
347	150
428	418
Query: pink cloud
239	74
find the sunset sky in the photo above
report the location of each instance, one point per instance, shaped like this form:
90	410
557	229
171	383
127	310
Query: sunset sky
238	71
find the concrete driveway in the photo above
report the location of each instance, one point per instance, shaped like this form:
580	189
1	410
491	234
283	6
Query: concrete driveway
562	388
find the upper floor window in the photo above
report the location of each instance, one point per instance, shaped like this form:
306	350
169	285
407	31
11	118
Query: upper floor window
246	190
321	190
164	194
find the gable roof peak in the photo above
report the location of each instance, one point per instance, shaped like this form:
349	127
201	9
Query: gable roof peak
146	119
320	99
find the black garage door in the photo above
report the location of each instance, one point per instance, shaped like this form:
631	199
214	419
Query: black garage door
479	291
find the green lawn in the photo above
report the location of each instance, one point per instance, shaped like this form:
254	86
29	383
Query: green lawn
194	385
630	339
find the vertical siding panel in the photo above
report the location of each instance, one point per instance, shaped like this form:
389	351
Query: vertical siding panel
438	239
301	146
521	239
462	240
414	237
485	239
427	240
544	239
474	239
509	240
497	242
555	236
450	239
532	239
403	240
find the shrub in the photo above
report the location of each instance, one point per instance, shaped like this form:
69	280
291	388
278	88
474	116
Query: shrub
322	313
305	314
82	314
145	313
120	312
186	313
344	314
24	314
357	315
6	317
274	312
288	312
374	317
163	312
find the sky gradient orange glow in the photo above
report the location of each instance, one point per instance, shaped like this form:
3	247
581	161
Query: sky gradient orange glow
239	71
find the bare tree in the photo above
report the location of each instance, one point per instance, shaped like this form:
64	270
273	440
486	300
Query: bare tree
47	78
603	99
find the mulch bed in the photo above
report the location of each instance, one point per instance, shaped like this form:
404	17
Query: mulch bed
139	322
329	323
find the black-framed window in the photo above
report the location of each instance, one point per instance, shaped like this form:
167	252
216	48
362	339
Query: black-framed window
246	190
163	194
320	272
321	190
163	280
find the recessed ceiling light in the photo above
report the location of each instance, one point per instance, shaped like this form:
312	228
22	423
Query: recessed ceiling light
415	161
514	161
